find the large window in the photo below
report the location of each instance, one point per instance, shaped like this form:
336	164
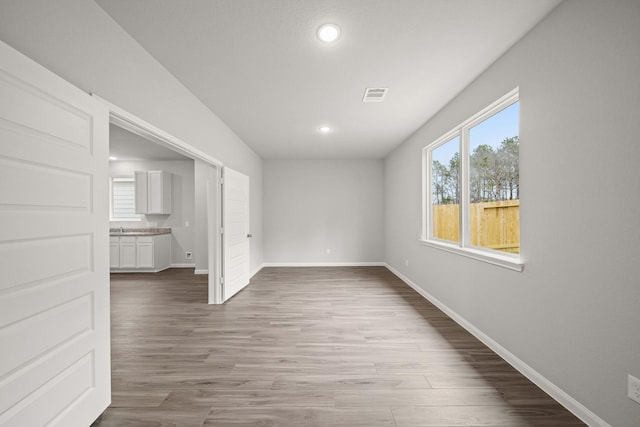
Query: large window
123	199
471	187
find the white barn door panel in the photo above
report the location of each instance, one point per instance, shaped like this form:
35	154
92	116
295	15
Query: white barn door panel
54	285
235	223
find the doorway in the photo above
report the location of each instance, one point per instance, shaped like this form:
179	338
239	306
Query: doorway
147	140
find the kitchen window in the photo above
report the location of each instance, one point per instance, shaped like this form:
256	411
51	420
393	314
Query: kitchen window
123	199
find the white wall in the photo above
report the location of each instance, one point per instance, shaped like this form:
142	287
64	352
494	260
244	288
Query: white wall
573	314
314	205
182	204
78	41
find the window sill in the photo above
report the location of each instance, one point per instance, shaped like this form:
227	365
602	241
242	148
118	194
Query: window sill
504	261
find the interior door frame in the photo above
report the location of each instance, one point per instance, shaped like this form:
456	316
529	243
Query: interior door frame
140	127
215	245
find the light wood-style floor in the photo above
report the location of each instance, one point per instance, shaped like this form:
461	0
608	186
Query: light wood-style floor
305	347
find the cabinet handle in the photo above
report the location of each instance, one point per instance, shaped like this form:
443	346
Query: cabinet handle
249	236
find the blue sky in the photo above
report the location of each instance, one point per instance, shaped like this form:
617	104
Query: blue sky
490	132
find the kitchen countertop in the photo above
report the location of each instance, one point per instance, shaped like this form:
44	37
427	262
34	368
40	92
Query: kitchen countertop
138	231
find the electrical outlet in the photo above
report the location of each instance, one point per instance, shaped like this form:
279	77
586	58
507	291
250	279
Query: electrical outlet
634	388
187	255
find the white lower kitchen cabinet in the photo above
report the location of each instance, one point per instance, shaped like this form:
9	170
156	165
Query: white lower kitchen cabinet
128	252
114	252
144	254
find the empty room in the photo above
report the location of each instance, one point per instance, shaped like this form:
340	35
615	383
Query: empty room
400	213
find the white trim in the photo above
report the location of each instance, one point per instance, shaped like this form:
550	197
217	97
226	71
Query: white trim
140	127
138	270
534	376
512	263
464	216
201	271
215	249
324	264
182	265
501	103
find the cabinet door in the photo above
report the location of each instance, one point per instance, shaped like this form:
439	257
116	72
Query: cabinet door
162	251
127	254
144	252
145	255
159	192
114	255
166	192
142	194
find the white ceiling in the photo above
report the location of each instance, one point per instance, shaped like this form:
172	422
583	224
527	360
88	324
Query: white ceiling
259	66
127	146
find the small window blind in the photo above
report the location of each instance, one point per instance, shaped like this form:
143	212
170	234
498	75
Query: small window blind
123	201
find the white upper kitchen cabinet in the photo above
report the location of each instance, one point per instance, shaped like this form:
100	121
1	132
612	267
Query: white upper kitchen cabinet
153	192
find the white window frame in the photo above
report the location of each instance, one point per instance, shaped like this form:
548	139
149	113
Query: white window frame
111	203
464	247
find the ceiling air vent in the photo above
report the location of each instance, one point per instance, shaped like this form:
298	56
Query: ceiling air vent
374	94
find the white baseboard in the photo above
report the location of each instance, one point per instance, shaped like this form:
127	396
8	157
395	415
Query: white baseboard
534	376
324	264
305	264
179	265
253	273
206	271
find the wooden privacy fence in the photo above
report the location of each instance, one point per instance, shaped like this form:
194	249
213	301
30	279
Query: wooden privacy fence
494	225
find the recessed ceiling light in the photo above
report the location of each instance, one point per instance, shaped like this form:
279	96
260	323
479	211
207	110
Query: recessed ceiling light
328	32
324	129
113	158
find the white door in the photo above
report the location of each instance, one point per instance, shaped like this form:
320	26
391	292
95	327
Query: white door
54	259
235	223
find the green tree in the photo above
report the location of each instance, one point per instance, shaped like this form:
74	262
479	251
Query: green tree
494	175
508	155
438	178
445	181
482	174
453	179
